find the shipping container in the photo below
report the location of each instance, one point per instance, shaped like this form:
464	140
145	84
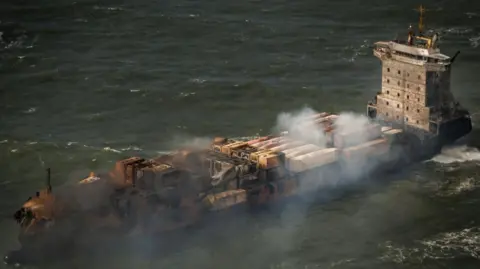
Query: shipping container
227	149
288	145
256	155
269	161
368	133
254	141
266	142
386	128
371	148
313	159
290	153
393	132
226	199
278	142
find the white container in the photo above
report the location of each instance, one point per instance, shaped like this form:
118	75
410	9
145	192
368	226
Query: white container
289	145
290	153
371	148
313	159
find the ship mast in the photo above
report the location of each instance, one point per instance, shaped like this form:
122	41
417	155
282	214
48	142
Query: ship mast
422	10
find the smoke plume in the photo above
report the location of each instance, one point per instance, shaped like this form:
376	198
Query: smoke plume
300	127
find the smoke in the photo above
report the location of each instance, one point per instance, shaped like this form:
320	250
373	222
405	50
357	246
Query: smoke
300	127
195	143
350	129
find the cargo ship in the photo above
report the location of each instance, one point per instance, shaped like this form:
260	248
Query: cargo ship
411	118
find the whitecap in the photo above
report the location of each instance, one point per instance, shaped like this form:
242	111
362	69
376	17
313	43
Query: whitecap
198	80
31	110
111	150
186	94
474	41
448	245
134	148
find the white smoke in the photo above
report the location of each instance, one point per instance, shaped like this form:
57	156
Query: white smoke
353	128
299	127
318	182
354	124
197	143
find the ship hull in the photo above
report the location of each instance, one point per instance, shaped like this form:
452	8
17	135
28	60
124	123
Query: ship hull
313	183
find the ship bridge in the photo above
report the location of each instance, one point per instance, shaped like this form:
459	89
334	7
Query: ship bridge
415	91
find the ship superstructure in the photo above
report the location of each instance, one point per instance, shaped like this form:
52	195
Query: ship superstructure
414	112
416	94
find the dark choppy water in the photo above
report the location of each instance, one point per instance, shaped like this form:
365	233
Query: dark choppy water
85	83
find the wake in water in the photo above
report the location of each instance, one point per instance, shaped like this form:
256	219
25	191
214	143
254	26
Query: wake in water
457	154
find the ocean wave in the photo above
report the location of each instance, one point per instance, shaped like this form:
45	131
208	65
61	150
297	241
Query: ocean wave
12	36
448	245
14	146
111	9
474	41
457	186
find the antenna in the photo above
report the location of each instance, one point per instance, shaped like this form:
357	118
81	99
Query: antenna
422	10
49	186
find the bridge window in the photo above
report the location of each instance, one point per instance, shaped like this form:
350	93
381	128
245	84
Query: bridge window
407	108
388	81
419	77
398	106
418	99
388	69
387	103
398	83
399	72
417	121
408	85
418	88
406	118
398	94
408	74
388	92
408	97
418	110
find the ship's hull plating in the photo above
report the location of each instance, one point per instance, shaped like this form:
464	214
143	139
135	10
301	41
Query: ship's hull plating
400	154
